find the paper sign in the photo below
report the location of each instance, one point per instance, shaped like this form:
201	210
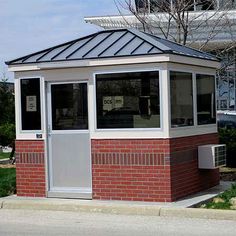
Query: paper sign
112	102
31	103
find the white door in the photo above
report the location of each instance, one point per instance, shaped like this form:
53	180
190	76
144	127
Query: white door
68	141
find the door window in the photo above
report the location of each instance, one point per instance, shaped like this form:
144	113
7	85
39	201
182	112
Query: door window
69	106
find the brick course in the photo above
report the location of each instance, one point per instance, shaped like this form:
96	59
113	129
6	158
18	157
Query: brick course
160	170
151	169
30	168
136	170
186	178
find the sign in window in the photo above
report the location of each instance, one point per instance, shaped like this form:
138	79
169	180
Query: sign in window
30	104
128	100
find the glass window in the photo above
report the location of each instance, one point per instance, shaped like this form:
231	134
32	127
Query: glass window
205	4
69	106
181	91
128	100
30	104
206	111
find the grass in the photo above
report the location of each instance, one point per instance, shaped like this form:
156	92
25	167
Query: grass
7	181
226	196
4	155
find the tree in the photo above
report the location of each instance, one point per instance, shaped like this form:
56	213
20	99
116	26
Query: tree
7	113
175	19
206	25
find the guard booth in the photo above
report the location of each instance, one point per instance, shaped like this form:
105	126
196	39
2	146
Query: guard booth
116	115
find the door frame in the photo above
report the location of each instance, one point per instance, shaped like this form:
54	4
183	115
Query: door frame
64	192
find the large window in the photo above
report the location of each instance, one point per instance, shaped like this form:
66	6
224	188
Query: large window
181	91
30	104
128	100
206	111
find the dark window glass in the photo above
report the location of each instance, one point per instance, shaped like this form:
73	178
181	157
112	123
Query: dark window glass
181	91
128	100
30	104
205	4
69	106
226	121
206	110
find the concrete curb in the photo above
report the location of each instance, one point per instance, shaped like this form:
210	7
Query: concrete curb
117	208
149	210
199	213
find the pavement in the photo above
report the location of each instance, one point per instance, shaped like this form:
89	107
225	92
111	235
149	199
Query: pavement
61	223
4	161
182	208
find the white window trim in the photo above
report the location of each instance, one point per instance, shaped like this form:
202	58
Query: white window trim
49	109
19	119
157	69
214	75
194	84
181	127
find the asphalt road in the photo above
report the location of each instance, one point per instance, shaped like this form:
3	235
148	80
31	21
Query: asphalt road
25	222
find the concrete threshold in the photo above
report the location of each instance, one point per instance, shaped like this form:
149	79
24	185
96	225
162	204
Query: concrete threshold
175	209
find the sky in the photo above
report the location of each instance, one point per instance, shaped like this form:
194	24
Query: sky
28	26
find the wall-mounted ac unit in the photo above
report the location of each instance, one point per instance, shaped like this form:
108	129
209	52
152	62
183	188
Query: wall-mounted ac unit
211	156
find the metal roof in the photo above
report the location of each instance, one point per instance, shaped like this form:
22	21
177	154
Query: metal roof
111	43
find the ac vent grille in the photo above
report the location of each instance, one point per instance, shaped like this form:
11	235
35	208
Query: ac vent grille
211	156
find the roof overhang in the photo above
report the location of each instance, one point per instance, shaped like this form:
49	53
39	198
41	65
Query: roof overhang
116	61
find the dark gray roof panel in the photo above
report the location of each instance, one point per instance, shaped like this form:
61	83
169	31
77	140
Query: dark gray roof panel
91	44
69	49
115	47
111	43
181	49
144	49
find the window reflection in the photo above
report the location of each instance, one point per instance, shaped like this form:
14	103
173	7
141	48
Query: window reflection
181	99
69	106
206	111
30	104
128	100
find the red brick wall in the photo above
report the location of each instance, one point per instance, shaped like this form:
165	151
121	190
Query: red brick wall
140	170
135	170
186	178
151	169
30	168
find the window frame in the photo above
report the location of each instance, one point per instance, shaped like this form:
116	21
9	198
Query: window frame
193	99
41	85
127	129
215	87
49	110
194	84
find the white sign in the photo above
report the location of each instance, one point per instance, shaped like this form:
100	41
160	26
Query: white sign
119	101
31	103
112	102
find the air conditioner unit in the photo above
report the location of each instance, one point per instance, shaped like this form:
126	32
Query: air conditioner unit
211	156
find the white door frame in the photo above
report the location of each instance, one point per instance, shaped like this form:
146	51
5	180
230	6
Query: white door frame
65	192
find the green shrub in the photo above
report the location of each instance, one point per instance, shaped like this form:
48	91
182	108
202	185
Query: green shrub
228	137
7	181
226	196
7	134
219	205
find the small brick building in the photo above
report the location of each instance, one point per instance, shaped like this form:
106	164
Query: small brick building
116	115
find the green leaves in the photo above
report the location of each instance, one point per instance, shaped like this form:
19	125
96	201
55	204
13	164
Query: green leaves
228	137
7	114
7	181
